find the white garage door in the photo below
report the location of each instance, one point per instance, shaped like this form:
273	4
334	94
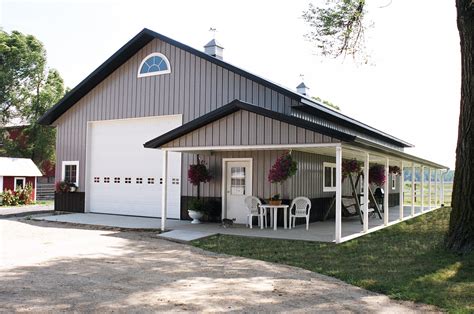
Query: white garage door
124	177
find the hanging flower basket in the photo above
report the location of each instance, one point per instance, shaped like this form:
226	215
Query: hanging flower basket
283	168
377	175
395	170
351	167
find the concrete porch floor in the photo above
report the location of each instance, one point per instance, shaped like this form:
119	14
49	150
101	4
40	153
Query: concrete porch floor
321	231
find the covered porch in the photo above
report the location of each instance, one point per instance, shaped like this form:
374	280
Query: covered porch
338	228
250	138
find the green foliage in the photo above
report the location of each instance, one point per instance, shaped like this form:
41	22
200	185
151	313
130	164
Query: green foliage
196	204
337	28
27	90
10	198
327	103
406	261
22	196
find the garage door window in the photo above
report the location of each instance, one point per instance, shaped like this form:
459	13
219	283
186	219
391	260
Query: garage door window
70	172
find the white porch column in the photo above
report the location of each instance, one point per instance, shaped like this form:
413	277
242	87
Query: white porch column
401	188
436	188
442	187
366	192
164	191
386	194
422	169
429	191
338	193
413	189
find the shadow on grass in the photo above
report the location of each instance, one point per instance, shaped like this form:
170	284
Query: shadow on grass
406	261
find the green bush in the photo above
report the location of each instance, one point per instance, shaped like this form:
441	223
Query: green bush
22	196
10	198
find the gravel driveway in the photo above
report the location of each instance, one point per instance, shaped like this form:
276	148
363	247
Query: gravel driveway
56	267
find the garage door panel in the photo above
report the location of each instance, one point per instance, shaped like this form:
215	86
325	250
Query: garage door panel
117	155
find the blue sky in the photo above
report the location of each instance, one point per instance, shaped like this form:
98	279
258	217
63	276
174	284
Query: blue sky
410	88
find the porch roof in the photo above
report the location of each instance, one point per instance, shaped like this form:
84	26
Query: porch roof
235	106
354	147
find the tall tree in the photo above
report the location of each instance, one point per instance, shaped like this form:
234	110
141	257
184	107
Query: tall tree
27	90
337	30
461	225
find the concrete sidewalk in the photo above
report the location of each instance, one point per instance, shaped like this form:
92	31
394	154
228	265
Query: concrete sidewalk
26	210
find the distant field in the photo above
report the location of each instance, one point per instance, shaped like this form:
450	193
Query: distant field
448	191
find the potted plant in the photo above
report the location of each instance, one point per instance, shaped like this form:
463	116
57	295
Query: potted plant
283	168
197	174
64	187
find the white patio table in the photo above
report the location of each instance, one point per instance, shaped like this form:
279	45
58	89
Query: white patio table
274	214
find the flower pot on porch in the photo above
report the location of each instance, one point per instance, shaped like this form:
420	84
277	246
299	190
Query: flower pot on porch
195	216
274	202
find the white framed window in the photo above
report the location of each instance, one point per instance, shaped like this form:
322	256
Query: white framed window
154	64
70	172
96	179
106	179
19	183
394	182
128	180
139	181
329	177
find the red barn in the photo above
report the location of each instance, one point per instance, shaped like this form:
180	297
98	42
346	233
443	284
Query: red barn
18	172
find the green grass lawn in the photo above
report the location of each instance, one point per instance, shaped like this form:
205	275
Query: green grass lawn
406	261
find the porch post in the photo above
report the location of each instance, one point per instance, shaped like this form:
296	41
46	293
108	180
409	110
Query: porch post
164	191
366	192
338	193
386	194
429	191
422	187
436	188
401	188
413	175
442	188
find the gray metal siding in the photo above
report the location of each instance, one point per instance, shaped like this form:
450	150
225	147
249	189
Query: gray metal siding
307	181
194	87
227	131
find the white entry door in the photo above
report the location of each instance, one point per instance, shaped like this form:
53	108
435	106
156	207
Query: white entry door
124	177
238	187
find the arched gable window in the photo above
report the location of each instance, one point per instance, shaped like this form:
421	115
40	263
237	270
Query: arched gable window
154	64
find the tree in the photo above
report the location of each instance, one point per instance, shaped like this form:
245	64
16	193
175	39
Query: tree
27	90
337	30
327	103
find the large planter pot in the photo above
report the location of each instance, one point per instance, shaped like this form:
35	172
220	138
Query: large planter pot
195	216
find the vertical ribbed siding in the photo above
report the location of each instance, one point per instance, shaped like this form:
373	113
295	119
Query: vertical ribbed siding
307	181
194	87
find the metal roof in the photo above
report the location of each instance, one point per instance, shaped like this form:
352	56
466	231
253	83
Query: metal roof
234	106
144	37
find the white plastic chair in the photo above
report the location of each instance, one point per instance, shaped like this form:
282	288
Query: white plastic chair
302	208
254	209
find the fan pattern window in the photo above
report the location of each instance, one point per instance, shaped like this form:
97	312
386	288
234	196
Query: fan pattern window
154	64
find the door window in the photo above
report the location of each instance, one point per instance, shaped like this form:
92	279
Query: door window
237	180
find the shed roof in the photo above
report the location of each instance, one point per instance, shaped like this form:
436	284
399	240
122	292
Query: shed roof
18	167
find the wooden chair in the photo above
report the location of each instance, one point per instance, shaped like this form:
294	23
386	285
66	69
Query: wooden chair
302	208
253	207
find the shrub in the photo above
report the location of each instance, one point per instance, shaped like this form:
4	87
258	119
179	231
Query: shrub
24	194
10	198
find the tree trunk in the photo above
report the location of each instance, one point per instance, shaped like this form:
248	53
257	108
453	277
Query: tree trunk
460	236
